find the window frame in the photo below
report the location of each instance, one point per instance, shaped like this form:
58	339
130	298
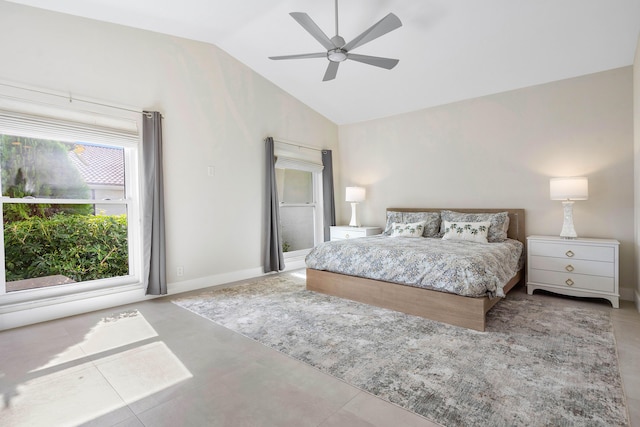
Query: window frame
102	115
318	217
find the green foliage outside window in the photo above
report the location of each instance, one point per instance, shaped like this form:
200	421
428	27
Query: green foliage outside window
81	247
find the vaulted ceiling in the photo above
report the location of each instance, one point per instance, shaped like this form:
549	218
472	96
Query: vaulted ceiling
449	50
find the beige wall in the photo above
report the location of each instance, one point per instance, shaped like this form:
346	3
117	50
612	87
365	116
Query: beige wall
500	151
636	146
217	113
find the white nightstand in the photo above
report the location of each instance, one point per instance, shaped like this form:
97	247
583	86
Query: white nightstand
576	267
341	232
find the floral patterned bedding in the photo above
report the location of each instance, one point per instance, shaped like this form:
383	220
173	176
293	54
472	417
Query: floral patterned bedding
465	268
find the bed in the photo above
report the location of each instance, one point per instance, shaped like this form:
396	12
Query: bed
436	304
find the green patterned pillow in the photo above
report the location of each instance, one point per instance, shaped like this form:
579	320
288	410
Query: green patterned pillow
469	231
399	229
497	230
431	221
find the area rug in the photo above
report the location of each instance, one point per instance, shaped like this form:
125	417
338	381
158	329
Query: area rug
539	363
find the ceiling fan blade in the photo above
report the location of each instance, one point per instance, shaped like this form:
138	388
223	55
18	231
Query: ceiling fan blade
301	56
331	72
311	27
380	28
387	63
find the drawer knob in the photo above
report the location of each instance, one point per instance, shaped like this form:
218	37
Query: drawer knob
569	254
346	236
569	282
569	268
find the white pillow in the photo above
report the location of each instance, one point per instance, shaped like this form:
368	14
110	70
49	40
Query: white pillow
414	229
470	231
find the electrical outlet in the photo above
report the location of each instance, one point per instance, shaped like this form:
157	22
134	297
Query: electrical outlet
180	271
211	171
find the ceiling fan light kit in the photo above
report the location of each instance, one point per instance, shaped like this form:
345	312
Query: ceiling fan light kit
337	55
338	50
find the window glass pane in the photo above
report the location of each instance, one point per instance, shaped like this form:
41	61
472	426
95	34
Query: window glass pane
48	245
60	170
297	227
294	186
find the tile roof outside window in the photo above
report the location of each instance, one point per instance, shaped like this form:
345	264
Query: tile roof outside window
99	165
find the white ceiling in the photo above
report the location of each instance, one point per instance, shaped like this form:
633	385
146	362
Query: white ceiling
449	50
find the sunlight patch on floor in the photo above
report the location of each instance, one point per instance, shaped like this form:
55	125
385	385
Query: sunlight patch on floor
109	333
143	371
83	394
119	361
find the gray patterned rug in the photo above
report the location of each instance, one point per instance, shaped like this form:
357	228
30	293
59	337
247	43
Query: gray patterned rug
538	364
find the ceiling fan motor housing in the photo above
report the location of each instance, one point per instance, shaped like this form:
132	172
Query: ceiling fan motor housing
338	41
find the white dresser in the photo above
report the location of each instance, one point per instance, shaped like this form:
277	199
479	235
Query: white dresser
341	232
576	267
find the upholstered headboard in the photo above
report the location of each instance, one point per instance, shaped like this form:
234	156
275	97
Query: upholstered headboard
516	218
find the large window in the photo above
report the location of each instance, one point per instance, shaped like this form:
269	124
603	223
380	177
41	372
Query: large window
69	201
299	192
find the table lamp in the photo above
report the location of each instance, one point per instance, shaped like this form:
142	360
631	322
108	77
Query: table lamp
354	195
568	190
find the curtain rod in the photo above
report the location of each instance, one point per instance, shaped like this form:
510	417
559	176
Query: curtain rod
293	144
71	99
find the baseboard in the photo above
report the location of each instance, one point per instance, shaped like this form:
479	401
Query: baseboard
14	316
628	294
295	263
214	280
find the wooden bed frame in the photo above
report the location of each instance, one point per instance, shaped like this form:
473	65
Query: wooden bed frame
467	312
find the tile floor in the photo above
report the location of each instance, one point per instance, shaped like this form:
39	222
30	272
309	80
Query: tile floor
156	364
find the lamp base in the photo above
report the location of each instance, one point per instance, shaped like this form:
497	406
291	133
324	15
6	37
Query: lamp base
568	231
354	216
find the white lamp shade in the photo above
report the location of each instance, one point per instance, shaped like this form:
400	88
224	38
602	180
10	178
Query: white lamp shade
355	194
571	188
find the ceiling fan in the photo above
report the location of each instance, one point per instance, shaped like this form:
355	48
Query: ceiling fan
338	50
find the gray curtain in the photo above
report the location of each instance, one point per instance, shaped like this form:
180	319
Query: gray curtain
273	259
154	272
328	196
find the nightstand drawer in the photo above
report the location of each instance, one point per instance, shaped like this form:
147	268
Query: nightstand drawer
347	233
341	232
573	281
572	251
595	268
